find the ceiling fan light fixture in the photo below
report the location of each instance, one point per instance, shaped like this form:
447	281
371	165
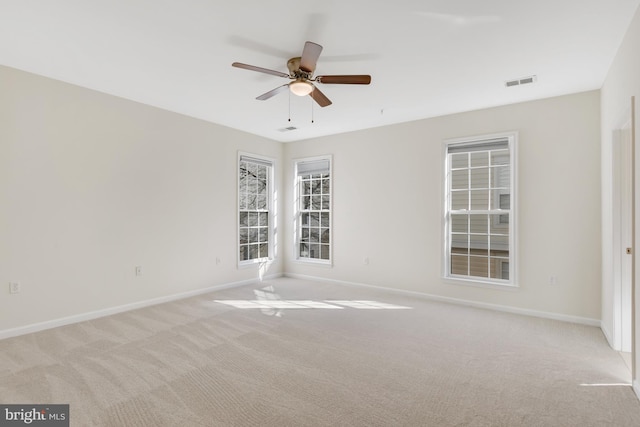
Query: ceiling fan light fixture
301	87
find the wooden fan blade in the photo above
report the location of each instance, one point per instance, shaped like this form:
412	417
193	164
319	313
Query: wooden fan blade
319	97
273	92
362	79
259	69
310	55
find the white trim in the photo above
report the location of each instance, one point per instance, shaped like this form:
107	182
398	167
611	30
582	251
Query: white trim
76	318
636	388
495	307
607	333
479	283
272	207
512	138
296	211
313	262
622	219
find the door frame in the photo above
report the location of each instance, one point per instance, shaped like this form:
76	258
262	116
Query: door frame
623	235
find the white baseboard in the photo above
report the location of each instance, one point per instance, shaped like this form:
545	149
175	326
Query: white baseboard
36	327
636	388
608	336
41	326
503	308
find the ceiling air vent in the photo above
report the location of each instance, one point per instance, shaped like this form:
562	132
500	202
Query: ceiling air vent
288	129
521	81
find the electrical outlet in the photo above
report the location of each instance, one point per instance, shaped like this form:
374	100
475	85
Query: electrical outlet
15	287
365	261
138	270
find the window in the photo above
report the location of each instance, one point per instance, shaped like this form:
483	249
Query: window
479	209
313	206
255	177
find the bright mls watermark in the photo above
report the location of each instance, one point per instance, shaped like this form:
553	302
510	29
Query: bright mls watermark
34	415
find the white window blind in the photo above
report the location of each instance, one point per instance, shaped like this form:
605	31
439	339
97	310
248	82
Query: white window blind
256	160
470	147
313	167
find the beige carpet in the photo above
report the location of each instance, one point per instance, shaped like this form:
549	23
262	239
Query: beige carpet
198	362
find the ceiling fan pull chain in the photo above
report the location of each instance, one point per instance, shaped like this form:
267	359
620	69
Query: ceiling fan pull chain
289	106
312	110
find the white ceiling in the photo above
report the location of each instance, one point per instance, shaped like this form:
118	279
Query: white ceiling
426	57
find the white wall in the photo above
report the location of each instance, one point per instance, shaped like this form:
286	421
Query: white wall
388	205
622	82
93	185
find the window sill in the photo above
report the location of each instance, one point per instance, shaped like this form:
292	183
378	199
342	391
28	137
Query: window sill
255	262
482	284
319	263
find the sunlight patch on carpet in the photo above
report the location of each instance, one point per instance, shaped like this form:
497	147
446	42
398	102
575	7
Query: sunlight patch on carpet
300	304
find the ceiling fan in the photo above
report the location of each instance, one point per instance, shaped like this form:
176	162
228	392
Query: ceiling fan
301	72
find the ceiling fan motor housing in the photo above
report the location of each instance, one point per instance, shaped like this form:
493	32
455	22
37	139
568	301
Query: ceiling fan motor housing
295	71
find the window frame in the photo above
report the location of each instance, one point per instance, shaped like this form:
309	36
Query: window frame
271	208
512	282
298	212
